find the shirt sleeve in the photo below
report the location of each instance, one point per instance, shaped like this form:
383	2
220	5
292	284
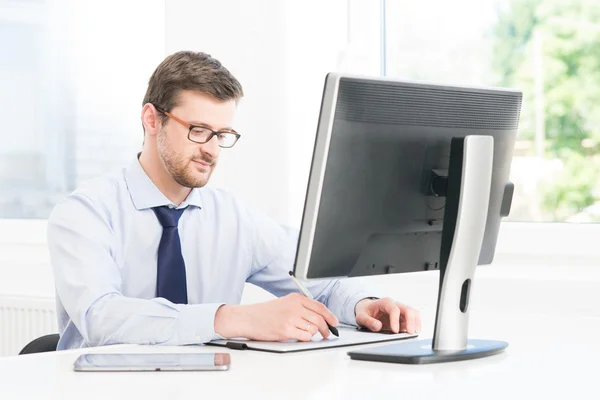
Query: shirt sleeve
88	282
274	256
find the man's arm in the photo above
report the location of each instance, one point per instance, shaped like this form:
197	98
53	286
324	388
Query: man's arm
294	316
275	251
81	244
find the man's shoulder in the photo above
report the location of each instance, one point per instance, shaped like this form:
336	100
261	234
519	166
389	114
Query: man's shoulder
102	188
89	211
99	192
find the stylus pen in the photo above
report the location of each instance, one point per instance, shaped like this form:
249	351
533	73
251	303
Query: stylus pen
306	293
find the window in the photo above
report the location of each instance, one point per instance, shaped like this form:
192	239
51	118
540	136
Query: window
72	78
548	49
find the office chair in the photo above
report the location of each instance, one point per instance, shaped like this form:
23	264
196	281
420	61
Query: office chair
42	344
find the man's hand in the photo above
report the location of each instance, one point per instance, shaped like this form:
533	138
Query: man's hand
293	317
388	315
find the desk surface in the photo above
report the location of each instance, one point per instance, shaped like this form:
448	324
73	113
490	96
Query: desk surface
551	324
549	357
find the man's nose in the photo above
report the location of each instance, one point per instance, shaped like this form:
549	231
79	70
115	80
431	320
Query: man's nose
211	147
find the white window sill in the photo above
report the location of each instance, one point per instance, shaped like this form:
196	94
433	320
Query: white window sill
23	231
549	244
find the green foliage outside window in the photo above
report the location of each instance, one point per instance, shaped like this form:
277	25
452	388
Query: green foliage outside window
550	50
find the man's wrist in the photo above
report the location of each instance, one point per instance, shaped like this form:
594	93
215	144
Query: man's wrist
363	303
229	321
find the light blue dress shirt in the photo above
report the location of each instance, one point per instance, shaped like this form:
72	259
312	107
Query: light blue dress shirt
103	242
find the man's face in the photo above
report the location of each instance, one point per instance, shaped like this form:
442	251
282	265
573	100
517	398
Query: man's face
191	164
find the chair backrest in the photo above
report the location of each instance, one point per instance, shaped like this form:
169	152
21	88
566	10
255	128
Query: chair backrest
41	344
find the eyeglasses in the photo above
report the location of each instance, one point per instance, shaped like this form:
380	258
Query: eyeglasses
202	134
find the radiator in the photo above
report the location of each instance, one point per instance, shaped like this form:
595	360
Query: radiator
23	319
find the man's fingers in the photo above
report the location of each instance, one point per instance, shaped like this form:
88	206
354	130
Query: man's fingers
320	309
363	319
302	334
318	322
411	319
393	312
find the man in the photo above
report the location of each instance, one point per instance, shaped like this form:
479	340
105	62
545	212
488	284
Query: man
151	255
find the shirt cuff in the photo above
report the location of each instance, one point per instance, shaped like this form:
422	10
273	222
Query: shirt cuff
349	310
196	323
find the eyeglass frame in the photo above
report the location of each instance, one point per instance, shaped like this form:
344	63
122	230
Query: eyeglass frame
191	127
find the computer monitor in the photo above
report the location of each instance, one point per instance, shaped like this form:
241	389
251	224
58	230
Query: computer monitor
408	177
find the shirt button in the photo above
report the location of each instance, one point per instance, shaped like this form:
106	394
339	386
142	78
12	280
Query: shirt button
198	337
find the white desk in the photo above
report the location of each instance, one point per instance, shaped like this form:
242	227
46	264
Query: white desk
552	327
539	363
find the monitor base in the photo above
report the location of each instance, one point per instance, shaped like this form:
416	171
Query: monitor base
421	352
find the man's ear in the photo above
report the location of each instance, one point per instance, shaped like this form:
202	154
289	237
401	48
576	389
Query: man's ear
150	119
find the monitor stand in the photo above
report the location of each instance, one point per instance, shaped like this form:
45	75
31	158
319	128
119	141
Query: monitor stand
467	200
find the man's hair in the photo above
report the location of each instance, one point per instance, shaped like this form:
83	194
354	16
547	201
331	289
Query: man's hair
188	70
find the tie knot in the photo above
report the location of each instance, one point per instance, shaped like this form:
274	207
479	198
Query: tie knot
168	217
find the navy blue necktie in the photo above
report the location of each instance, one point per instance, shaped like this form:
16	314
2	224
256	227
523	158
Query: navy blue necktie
170	277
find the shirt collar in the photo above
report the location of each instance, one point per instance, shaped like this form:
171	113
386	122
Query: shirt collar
145	194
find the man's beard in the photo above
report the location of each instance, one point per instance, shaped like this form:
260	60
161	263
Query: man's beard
178	167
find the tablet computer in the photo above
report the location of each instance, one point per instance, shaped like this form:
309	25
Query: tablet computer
153	362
